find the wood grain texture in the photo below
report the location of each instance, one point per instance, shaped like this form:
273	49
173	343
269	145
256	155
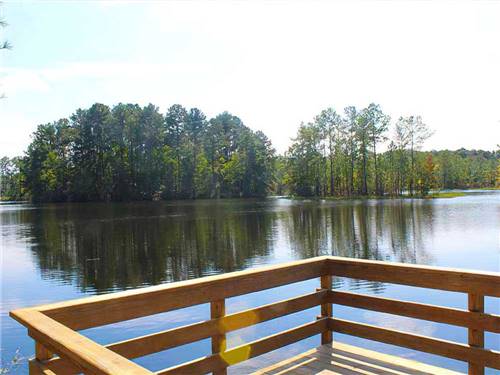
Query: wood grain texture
89	356
476	336
41	352
484	283
115	307
217	311
488	358
476	320
37	367
148	344
343	359
243	352
60	365
326	308
53	326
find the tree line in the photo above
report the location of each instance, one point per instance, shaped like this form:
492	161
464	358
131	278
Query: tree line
129	152
338	154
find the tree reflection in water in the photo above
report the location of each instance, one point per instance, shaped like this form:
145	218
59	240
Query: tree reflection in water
104	247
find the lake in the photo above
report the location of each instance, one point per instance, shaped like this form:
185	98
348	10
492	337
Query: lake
56	252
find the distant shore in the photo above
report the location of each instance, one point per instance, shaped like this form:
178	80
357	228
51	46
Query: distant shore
433	195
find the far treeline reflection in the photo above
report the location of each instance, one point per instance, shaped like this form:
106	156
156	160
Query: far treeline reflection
103	247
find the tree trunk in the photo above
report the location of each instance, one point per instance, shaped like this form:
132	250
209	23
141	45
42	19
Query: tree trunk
332	178
195	162
364	187
351	187
412	172
377	185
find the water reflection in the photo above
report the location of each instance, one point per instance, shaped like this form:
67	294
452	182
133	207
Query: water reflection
105	247
370	229
83	249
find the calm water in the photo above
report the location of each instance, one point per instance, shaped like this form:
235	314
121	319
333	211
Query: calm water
62	251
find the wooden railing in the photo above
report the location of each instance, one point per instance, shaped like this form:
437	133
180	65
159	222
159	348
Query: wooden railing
62	350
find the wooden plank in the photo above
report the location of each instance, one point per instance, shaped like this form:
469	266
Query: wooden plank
218	310
41	352
360	360
392	361
79	314
116	307
88	355
376	363
461	352
36	367
156	342
476	336
106	309
484	283
326	308
61	365
476	320
286	365
243	352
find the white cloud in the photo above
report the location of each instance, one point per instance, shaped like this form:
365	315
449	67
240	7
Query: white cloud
291	61
15	130
23	79
15	80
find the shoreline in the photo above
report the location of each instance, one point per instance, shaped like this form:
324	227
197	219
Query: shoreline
436	195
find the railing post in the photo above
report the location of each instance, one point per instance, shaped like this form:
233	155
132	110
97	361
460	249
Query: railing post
476	337
326	309
41	354
218	310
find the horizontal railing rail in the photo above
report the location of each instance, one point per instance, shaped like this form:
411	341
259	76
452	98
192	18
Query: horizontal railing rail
116	307
253	349
156	342
90	357
457	317
426	344
62	350
449	279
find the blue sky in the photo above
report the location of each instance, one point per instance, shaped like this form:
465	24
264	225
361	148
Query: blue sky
274	64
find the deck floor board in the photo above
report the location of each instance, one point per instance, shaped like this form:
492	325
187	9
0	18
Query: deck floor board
343	359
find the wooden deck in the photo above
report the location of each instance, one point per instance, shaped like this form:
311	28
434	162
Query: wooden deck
343	359
61	349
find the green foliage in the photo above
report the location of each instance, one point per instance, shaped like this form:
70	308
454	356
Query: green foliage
337	156
11	179
446	194
427	176
130	152
133	153
306	164
497	179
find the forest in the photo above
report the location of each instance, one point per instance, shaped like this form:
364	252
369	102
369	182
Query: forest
129	152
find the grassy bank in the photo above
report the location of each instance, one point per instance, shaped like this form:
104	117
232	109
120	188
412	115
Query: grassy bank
488	188
446	194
